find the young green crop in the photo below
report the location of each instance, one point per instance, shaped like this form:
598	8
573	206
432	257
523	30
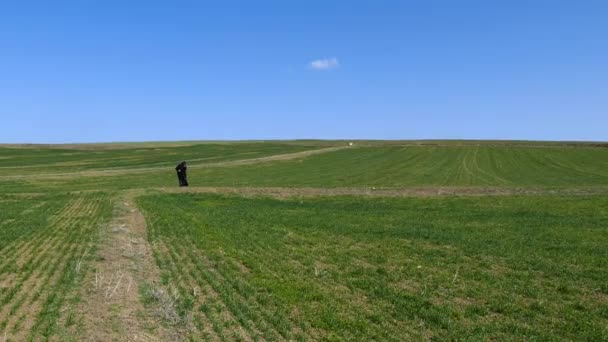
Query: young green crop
45	244
468	166
53	160
357	268
381	166
499	268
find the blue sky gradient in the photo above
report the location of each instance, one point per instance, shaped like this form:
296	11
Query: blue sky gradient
90	71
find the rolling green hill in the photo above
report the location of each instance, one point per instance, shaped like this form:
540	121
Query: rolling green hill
305	240
394	166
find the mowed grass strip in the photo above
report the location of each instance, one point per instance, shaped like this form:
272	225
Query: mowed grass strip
44	260
346	268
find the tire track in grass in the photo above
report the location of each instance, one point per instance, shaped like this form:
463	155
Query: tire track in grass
482	174
449	165
495	175
467	174
571	167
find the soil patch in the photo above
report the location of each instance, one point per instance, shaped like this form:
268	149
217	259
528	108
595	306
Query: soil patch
281	192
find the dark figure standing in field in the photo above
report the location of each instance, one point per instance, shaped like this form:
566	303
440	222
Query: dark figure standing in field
181	173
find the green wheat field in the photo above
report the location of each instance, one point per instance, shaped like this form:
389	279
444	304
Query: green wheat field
305	240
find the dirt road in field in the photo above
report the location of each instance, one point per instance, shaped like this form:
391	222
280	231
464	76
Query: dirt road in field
125	171
281	192
111	305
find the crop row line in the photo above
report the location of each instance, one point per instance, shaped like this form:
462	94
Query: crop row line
52	264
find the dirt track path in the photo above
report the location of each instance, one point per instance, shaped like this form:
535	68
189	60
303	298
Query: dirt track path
125	171
111	304
280	192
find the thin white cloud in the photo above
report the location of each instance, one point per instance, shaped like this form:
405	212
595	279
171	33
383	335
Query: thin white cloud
324	64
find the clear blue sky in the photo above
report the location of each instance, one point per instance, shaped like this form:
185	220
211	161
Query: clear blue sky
86	71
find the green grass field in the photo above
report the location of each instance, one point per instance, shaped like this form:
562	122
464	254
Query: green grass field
439	240
377	166
44	241
387	269
45	160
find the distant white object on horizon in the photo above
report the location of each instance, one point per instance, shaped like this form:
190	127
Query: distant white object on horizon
350	144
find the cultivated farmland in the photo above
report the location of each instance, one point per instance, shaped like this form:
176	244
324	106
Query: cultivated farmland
305	240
